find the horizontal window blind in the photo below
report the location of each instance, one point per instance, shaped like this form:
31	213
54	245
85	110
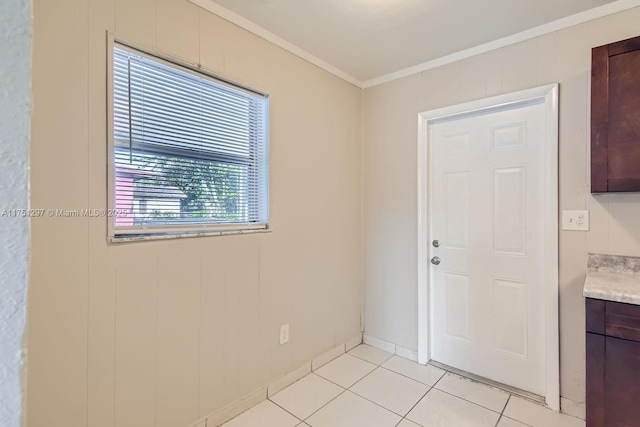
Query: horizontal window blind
190	152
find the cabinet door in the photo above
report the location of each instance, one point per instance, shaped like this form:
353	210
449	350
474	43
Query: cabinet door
622	383
595	380
615	122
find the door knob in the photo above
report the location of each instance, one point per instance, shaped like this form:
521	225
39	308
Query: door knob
435	260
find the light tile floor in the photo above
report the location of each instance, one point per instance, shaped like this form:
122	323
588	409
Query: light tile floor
368	387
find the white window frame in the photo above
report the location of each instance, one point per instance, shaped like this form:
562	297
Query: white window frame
121	234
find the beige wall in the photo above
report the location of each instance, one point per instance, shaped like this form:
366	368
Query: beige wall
390	165
163	333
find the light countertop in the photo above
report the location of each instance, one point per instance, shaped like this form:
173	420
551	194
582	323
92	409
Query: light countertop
613	278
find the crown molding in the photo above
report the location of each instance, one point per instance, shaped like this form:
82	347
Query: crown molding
259	31
569	21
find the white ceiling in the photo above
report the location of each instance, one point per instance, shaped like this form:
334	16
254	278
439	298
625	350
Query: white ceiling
367	39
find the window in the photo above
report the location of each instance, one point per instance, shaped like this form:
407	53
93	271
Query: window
189	152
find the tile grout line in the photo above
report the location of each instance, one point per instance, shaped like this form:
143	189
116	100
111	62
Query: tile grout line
416	404
319	376
385	408
402	417
502	413
427	392
310	373
338	395
373	363
440	379
362	397
468	401
505	405
411	378
375	403
431	387
286	410
344	390
355	394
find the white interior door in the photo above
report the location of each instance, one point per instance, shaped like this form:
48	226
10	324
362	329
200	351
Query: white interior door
487	204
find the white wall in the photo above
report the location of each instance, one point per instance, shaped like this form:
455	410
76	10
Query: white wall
15	106
163	333
390	183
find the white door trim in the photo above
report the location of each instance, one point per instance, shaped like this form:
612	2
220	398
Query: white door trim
548	94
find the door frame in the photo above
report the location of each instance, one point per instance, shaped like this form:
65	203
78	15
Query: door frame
549	95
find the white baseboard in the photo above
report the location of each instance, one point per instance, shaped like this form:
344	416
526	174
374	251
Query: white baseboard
201	423
407	353
247	402
575	409
284	382
353	342
236	408
390	347
381	344
327	357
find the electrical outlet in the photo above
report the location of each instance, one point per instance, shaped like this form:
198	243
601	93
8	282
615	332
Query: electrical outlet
284	334
575	220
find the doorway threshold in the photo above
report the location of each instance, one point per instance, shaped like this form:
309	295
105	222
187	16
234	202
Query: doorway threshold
509	389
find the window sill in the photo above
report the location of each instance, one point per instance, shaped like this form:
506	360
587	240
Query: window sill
210	233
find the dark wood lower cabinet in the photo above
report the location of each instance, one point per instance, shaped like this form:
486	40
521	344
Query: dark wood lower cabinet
595	380
622	383
613	364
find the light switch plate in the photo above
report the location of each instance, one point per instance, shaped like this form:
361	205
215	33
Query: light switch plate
575	220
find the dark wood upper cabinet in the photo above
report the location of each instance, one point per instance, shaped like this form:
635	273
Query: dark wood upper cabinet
615	117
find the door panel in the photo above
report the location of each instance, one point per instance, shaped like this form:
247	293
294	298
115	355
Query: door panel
510	322
458	316
509	210
456	199
486	209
